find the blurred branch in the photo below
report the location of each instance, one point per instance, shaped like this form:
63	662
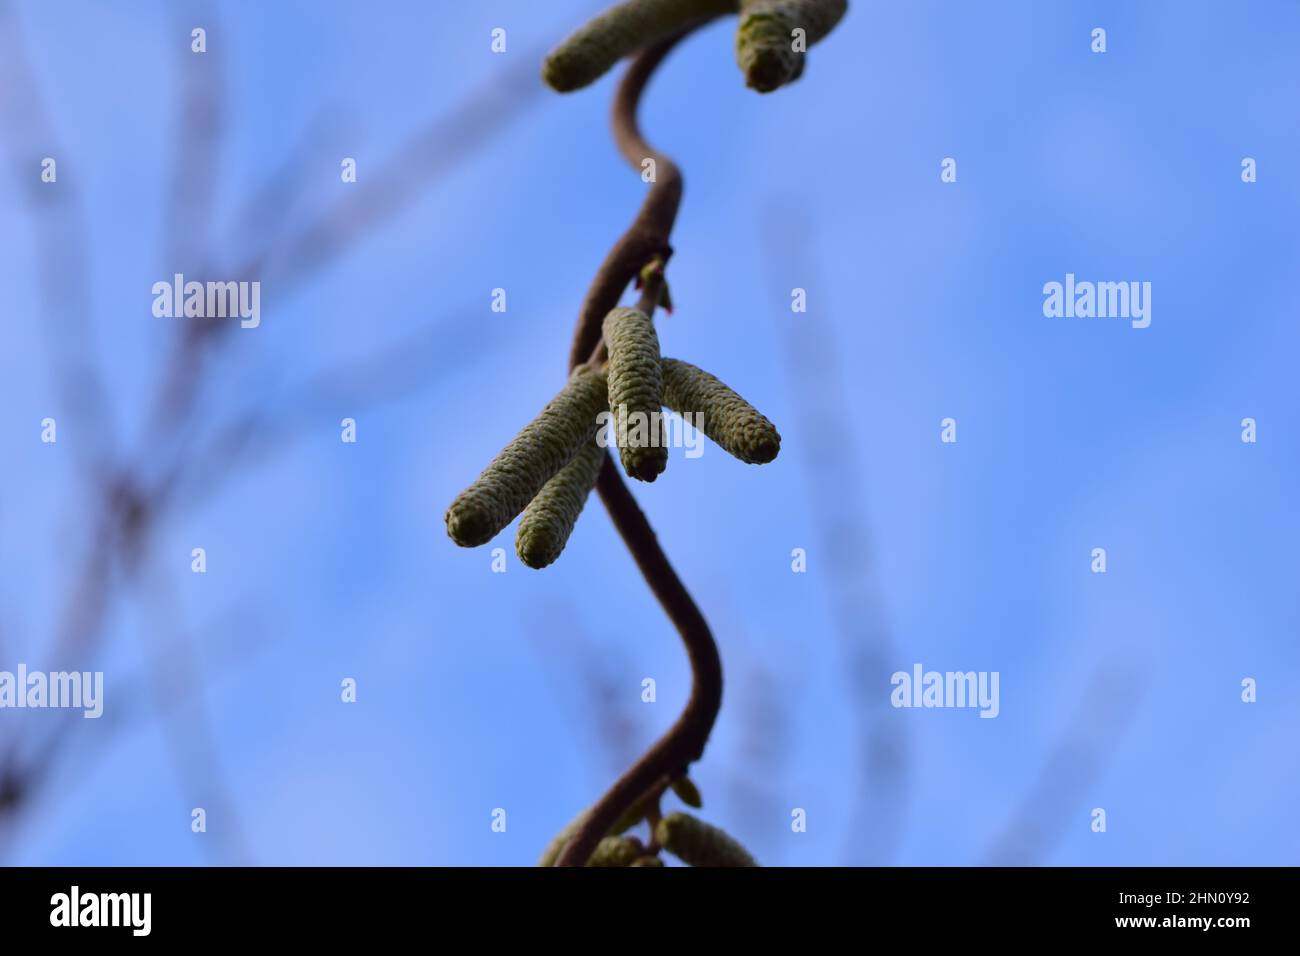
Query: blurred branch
191	741
1053	802
271	428
567	651
126	508
843	531
274	205
60	250
762	747
424	161
21	778
199	123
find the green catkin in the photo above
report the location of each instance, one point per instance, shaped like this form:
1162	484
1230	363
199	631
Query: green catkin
561	839
636	392
608	37
549	519
532	459
687	792
647	861
765	43
630	819
616	851
699	844
727	418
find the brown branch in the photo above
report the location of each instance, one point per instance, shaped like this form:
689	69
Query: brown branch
646	240
647	237
684	742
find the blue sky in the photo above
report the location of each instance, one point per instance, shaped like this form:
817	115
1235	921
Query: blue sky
522	690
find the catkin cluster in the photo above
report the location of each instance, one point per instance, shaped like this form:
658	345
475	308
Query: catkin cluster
771	39
549	468
691	840
641	381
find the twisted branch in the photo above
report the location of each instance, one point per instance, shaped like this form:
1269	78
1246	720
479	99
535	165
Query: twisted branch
644	241
647	238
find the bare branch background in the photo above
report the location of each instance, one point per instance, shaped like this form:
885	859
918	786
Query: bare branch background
132	494
210	438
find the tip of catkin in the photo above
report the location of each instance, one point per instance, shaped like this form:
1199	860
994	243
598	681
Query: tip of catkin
535	550
558	74
469	526
768	70
648	466
764	53
766	448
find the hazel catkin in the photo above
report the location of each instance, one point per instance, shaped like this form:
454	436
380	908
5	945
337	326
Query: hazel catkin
616	851
636	392
548	520
532	458
765	46
695	842
724	416
609	36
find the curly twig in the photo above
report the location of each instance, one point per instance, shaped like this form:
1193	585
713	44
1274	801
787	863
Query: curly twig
644	241
647	237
